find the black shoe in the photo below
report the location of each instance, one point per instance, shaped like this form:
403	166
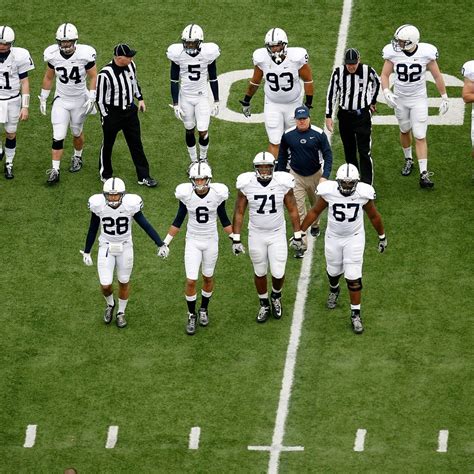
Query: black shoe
121	321
315	232
356	322
109	313
8	171
407	168
332	299
53	176
263	313
191	325
277	308
203	317
149	182
76	164
425	181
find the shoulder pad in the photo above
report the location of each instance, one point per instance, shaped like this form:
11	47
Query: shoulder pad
260	56
210	51
283	178
132	202
365	190
183	191
468	70
388	52
428	50
299	55
244	179
21	55
221	190
49	52
325	187
96	203
317	129
174	52
86	52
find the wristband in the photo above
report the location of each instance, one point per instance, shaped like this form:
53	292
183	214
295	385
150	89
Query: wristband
444	96
168	239
309	100
247	98
386	91
25	101
92	94
297	235
381	237
236	237
45	93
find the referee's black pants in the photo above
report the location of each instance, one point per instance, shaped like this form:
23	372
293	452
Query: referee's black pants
355	130
127	121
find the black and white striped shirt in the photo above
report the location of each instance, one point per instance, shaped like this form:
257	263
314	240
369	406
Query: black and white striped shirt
352	91
117	86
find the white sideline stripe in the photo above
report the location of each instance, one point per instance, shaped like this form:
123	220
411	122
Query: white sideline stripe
443	441
30	436
194	437
275	448
301	294
360	440
112	436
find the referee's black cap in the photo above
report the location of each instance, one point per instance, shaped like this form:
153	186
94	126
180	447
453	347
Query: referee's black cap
123	49
352	56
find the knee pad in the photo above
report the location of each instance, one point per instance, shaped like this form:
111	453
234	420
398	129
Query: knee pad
204	140
190	138
57	144
354	285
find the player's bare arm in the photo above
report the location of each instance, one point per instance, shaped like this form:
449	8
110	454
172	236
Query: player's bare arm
290	204
314	213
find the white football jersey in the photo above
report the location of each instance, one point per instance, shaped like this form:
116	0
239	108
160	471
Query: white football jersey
265	203
115	224
468	70
193	69
410	70
18	62
282	81
345	213
202	210
70	72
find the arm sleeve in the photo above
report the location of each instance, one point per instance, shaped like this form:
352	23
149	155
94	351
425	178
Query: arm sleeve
148	228
22	75
327	155
376	86
283	155
174	76
332	93
179	219
101	94
89	65
212	69
221	212
92	232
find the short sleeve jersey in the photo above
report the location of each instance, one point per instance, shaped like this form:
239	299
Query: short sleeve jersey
468	70
17	62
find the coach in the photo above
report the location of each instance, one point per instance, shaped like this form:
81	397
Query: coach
117	86
305	146
355	87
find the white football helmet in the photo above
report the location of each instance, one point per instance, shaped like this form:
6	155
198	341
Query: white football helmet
347	177
276	43
7	36
66	37
405	38
263	164
114	190
200	170
192	37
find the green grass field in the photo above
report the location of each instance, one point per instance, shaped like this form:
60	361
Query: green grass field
408	377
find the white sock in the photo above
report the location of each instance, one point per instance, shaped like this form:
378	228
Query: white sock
78	153
407	153
56	164
110	299
203	152
122	305
193	153
9	155
423	164
355	306
264	296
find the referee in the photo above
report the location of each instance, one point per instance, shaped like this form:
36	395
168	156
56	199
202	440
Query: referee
354	86
117	86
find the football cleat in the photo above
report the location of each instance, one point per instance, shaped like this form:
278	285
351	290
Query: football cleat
8	171
203	317
53	176
407	167
121	321
191	325
315	232
332	298
277	308
300	253
76	164
425	181
356	323
263	313
109	313
149	182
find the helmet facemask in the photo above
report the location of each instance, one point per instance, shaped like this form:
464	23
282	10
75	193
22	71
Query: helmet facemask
277	51
200	175
264	171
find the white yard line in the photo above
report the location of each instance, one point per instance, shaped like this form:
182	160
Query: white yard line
30	436
112	436
443	441
360	440
194	435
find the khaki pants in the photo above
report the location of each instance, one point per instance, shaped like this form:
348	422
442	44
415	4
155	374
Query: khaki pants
305	186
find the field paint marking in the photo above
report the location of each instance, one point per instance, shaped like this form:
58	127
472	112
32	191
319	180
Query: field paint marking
360	440
30	436
301	294
443	441
112	435
275	448
194	437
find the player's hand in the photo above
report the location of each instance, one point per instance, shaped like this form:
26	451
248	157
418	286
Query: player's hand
24	113
163	251
43	105
86	258
391	98
382	244
296	242
215	109
245	108
88	106
178	111
444	106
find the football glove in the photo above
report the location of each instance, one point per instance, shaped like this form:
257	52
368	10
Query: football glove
163	251
382	244
178	112
89	104
86	258
215	109
444	106
391	98
296	242
237	246
245	108
43	105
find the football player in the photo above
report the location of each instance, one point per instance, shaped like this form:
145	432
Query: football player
72	64
203	202
113	211
409	59
193	64
14	66
468	93
281	67
345	200
266	192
